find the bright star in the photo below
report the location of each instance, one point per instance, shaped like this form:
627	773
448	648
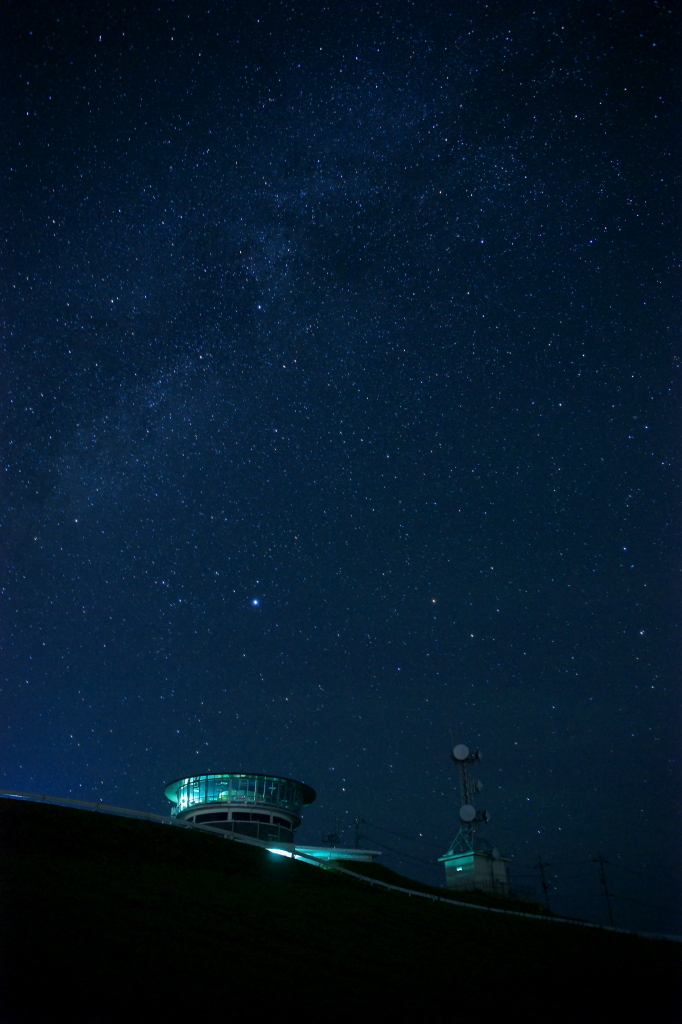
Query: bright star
255	602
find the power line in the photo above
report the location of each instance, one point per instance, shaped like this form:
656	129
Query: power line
408	839
409	856
642	874
642	903
576	868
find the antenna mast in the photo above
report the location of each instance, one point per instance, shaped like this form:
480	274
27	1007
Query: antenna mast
469	817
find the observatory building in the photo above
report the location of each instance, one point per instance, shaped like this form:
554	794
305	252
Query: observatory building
263	807
472	862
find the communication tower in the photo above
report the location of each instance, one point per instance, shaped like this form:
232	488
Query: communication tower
472	862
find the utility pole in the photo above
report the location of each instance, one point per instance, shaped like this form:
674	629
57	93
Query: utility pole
602	876
334	837
540	866
358	822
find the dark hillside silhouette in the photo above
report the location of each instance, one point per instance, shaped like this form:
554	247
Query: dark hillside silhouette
107	920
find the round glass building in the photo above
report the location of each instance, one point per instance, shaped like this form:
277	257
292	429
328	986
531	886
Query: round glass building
264	807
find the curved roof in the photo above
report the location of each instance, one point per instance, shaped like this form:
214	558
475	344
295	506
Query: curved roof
307	792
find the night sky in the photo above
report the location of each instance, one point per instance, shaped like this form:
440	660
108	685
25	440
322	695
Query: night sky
338	418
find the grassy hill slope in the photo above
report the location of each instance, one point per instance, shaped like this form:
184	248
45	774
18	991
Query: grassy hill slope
107	919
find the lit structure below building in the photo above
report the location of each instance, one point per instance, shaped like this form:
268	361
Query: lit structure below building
337	854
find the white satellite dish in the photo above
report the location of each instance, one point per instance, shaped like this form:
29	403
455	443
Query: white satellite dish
460	752
467	812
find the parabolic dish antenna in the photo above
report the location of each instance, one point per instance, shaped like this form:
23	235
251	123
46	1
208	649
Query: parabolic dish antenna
467	812
496	853
460	752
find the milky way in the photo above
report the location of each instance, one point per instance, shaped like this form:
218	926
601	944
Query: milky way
338	418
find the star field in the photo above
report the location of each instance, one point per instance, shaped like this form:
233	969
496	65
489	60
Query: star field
338	376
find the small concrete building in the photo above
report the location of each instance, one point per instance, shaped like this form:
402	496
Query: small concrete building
484	870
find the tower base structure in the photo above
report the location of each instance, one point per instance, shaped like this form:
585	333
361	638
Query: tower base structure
471	870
